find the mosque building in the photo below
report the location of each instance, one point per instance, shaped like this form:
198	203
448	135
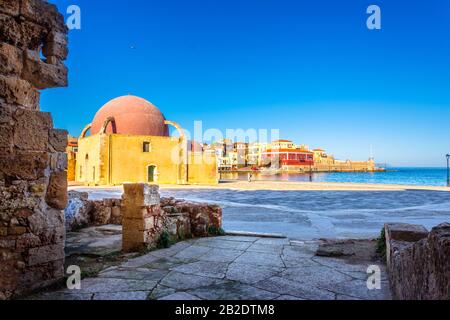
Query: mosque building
129	141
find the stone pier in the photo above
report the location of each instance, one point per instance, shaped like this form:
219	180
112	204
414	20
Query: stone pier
33	178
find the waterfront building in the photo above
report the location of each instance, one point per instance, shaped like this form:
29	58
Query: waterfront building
289	158
241	149
129	141
255	151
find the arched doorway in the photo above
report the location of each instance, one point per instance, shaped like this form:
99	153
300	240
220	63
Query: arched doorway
151	174
86	168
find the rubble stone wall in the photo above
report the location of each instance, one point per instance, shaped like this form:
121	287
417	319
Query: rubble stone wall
145	216
182	219
33	178
418	261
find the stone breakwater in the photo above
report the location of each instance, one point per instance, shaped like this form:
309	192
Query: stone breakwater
33	178
418	261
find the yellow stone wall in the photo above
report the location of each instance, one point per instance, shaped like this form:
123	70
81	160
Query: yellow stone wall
202	168
120	158
87	168
129	162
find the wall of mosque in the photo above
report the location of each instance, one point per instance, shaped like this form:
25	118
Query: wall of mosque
130	163
115	159
88	160
202	168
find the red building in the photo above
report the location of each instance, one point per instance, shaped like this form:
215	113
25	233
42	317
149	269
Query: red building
289	157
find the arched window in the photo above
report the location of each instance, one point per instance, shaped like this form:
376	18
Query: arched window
151	174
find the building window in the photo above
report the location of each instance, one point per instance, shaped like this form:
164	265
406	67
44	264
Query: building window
146	147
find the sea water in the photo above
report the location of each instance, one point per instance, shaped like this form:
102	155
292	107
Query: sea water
398	176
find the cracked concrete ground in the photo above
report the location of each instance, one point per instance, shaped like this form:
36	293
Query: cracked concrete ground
230	268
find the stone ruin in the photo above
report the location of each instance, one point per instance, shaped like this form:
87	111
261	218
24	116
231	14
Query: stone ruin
144	216
33	178
418	261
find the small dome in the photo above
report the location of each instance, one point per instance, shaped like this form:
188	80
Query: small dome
133	116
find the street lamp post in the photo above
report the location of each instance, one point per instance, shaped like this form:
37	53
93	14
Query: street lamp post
448	169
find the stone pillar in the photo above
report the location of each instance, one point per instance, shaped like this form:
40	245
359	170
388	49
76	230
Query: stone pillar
33	162
142	216
418	261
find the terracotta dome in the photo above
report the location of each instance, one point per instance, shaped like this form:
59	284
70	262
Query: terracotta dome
133	116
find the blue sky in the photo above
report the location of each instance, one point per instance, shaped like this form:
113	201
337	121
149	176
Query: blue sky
309	68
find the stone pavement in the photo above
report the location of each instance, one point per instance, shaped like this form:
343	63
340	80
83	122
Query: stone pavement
230	268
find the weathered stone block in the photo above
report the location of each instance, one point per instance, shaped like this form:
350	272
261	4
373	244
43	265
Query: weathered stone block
116	215
45	254
6	114
24	166
58	161
421	270
31	130
7	244
141	194
21	33
6	138
56	196
14	231
11	60
101	215
43	75
10	7
27	241
58	140
133	224
405	232
3	231
56	46
43	13
17	91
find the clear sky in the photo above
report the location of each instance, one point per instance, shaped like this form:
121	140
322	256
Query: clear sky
309	68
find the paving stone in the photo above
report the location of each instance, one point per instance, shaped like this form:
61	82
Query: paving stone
291	262
180	296
315	276
166	263
358	289
287	297
192	252
160	291
364	275
272	241
204	269
107	285
173	250
233	291
141	261
293	288
181	281
249	274
221	255
341	264
59	295
239	238
135	274
345	297
122	296
217	243
298	252
261	259
266	248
